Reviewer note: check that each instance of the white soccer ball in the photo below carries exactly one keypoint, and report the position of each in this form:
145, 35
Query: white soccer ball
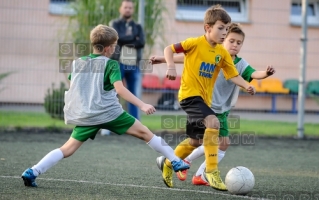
240, 180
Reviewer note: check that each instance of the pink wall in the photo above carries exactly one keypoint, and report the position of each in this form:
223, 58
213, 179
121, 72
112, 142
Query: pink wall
29, 40
270, 39
30, 36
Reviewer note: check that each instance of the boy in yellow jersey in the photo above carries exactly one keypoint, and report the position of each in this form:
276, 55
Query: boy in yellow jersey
204, 58
224, 97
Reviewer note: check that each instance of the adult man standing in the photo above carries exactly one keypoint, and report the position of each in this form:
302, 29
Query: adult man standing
129, 52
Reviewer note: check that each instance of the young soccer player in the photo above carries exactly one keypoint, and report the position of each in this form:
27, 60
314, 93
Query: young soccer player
225, 96
91, 103
204, 58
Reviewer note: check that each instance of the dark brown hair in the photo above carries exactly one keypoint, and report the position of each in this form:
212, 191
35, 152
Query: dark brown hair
235, 28
215, 13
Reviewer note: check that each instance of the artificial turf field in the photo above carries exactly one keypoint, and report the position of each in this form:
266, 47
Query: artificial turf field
122, 167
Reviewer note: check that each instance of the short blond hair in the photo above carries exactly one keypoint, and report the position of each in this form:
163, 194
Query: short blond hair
102, 36
215, 13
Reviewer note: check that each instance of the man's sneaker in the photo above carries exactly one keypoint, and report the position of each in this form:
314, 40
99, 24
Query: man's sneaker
214, 180
29, 178
182, 175
167, 172
197, 180
105, 132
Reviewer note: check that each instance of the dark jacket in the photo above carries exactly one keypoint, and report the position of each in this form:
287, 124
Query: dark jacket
136, 40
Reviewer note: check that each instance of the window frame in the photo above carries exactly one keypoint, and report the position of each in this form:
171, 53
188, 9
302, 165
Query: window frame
61, 7
296, 20
198, 16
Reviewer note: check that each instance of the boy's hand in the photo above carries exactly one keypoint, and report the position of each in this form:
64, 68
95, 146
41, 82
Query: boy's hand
148, 109
156, 60
270, 70
251, 90
171, 72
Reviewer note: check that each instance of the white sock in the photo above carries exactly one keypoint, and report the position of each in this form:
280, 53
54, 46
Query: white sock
159, 145
201, 169
221, 155
198, 152
47, 162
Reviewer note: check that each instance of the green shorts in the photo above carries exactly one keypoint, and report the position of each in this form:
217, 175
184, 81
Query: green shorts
119, 126
223, 130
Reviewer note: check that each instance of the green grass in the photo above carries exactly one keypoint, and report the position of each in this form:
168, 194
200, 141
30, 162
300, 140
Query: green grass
9, 119
29, 119
123, 167
267, 128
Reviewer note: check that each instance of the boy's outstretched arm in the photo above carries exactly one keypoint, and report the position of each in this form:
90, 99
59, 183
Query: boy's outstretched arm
161, 59
238, 80
171, 69
263, 74
128, 96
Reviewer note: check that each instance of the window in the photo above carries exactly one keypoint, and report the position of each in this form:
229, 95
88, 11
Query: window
312, 12
194, 10
61, 7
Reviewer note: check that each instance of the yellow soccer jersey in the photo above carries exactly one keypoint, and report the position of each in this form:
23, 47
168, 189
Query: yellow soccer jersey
202, 64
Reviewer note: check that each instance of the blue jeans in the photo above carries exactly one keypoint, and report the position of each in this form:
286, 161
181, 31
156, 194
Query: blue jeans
132, 76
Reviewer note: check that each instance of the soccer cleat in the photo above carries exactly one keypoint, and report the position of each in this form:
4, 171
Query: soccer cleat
29, 178
179, 165
167, 172
214, 180
197, 180
182, 175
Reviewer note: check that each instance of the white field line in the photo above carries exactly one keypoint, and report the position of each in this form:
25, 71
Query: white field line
140, 186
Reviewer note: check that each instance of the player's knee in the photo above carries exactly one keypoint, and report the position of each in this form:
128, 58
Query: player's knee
211, 121
224, 143
223, 147
142, 132
195, 143
145, 135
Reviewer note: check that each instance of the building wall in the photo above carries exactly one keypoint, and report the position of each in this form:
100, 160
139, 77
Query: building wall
30, 37
270, 39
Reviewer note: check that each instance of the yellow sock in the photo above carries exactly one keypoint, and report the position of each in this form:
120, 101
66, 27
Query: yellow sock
210, 143
182, 151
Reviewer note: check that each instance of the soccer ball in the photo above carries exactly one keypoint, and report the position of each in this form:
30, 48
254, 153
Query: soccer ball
240, 180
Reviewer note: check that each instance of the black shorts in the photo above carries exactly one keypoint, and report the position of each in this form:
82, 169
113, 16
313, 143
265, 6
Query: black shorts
196, 110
